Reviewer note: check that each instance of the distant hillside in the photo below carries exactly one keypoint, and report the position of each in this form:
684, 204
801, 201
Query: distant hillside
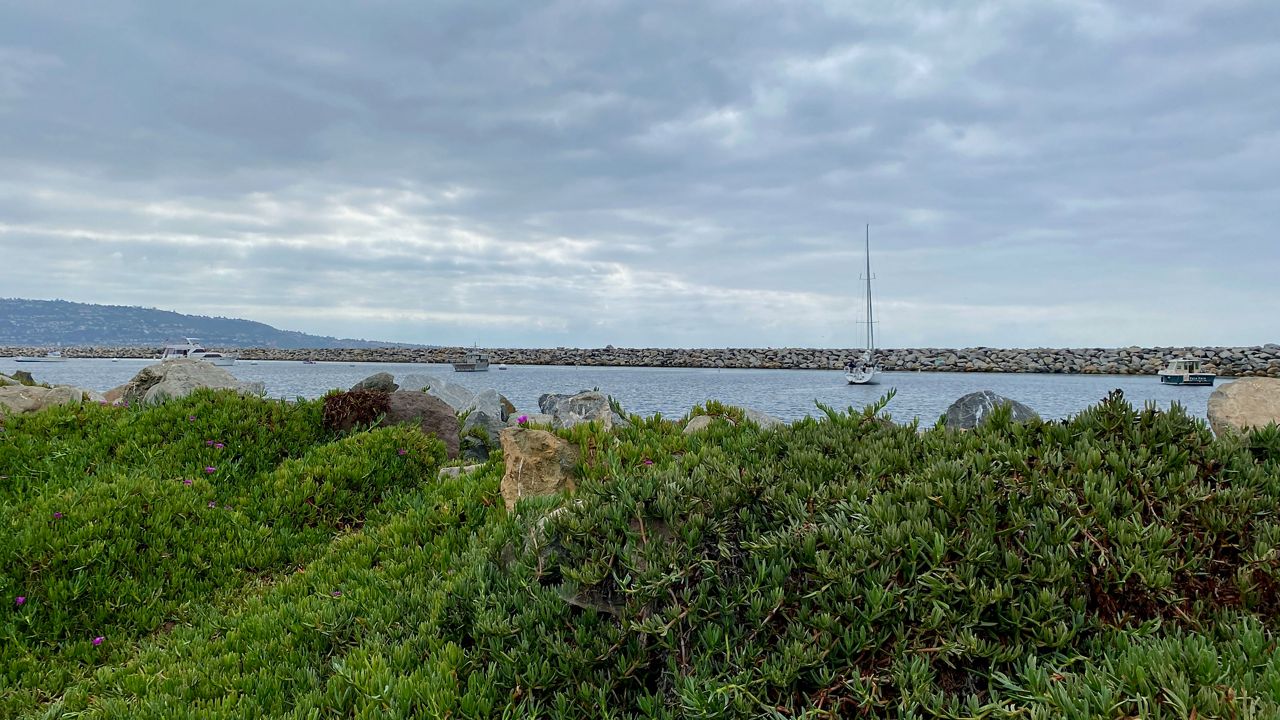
61, 323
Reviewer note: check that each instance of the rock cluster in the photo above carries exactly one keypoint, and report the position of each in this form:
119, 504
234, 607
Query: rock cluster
1252, 361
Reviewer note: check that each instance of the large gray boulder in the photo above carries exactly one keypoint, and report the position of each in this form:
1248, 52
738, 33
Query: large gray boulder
488, 402
179, 378
970, 410
456, 396
1245, 403
33, 398
383, 381
764, 420
569, 410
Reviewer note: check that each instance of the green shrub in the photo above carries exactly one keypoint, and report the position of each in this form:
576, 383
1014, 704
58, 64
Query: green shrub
850, 566
130, 549
1123, 563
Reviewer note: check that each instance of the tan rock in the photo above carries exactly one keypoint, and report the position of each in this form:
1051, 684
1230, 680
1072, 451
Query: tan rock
537, 463
23, 398
1249, 402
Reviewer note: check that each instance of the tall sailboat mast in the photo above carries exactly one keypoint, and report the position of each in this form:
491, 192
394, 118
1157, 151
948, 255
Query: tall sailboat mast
871, 325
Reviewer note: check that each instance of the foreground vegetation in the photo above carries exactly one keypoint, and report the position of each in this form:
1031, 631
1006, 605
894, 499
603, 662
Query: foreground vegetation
221, 556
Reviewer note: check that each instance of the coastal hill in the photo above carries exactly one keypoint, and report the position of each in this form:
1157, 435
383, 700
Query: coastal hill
61, 323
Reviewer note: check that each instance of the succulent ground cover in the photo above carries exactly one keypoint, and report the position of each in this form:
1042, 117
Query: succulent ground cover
1124, 563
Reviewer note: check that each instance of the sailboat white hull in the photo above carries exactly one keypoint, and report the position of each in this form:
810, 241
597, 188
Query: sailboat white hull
863, 377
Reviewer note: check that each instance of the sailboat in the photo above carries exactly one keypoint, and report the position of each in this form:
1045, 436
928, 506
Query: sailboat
864, 370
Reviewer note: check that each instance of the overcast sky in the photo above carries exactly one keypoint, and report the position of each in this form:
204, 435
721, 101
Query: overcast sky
1046, 173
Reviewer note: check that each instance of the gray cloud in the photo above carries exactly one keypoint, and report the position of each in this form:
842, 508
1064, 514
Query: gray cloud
659, 173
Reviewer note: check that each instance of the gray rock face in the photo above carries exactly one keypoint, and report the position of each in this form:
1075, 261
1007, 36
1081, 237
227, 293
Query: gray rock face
383, 381
23, 399
569, 410
764, 420
456, 471
529, 419
488, 402
697, 423
179, 378
456, 396
417, 381
1246, 403
431, 414
970, 410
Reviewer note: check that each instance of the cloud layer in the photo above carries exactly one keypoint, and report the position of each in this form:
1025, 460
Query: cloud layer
653, 173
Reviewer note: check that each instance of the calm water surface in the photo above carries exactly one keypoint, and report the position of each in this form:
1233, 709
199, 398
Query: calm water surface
788, 394
672, 391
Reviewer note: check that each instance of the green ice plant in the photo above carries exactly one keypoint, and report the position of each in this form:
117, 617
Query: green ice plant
1122, 563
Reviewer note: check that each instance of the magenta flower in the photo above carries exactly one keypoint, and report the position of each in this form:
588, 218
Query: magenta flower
647, 461
213, 504
187, 481
57, 516
98, 640
218, 446
523, 419
401, 451
208, 443
210, 470
191, 418
20, 600
337, 593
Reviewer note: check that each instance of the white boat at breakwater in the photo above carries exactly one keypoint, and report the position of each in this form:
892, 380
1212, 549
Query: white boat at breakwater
1186, 371
475, 360
194, 351
52, 356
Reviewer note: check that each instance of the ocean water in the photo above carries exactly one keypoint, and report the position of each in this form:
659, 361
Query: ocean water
788, 394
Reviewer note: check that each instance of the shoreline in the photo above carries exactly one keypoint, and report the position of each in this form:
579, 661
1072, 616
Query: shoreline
1238, 361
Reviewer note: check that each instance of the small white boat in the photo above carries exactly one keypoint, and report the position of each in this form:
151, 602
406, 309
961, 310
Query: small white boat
502, 366
1185, 371
475, 360
194, 351
52, 356
864, 371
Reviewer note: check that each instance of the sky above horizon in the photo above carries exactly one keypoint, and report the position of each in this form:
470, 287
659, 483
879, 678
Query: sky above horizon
661, 174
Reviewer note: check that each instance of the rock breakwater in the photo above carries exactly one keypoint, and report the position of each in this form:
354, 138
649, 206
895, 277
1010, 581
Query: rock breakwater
1251, 361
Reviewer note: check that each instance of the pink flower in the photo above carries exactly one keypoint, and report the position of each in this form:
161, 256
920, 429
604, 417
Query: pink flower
218, 446
337, 593
208, 443
191, 418
210, 470
187, 481
98, 640
401, 451
57, 516
522, 420
647, 461
20, 600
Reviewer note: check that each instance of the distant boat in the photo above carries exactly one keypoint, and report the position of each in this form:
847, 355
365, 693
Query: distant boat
1185, 371
308, 361
51, 356
194, 351
864, 371
502, 366
475, 360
